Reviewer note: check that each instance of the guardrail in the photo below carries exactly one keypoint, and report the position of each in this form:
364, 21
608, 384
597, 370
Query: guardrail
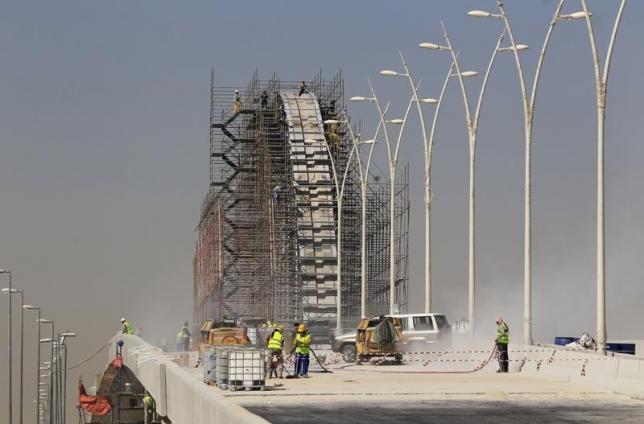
179, 395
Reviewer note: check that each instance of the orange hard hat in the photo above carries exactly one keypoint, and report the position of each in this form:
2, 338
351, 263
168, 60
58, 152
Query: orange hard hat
301, 328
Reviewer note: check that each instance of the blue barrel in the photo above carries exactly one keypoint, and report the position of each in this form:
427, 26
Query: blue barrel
562, 341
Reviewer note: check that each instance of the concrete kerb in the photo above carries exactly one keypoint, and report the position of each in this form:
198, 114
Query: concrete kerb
622, 374
178, 395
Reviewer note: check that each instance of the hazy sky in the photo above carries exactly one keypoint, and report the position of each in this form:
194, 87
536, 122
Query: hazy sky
104, 151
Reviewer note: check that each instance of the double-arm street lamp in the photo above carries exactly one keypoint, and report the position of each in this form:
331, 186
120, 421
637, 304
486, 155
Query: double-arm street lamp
472, 122
363, 169
428, 142
340, 183
392, 159
601, 80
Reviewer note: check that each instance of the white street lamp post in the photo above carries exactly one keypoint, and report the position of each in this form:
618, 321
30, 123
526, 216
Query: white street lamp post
601, 89
528, 119
472, 129
51, 367
339, 189
11, 291
35, 308
392, 156
428, 142
364, 178
10, 372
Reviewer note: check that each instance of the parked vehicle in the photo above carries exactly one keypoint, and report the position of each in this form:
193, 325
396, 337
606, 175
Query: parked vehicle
418, 330
346, 345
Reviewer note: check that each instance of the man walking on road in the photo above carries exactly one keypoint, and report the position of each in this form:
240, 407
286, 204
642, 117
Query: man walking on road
502, 340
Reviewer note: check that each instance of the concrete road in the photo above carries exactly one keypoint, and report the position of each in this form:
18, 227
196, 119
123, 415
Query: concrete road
454, 412
373, 395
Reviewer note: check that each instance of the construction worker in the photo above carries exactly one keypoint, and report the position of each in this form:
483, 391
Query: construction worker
149, 407
502, 340
302, 349
302, 88
127, 328
275, 346
183, 338
237, 105
264, 99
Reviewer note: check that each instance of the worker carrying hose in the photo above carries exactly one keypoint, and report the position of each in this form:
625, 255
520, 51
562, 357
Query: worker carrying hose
502, 340
302, 349
127, 328
275, 345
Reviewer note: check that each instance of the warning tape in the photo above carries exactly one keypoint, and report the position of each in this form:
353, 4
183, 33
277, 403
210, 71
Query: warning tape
483, 351
510, 360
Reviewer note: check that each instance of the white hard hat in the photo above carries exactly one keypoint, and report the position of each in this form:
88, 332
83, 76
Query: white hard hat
122, 319
236, 91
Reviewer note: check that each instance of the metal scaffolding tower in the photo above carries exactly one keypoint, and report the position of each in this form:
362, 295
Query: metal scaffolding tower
267, 235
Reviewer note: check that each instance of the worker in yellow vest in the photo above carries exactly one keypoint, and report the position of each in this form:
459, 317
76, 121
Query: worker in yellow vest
149, 408
502, 340
127, 328
302, 349
275, 355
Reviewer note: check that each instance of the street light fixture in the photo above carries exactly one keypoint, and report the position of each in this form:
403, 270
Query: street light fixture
472, 122
575, 15
482, 14
518, 47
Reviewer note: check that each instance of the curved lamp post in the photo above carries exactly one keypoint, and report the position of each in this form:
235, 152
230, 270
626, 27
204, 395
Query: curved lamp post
601, 89
363, 169
472, 130
339, 189
528, 102
428, 142
35, 308
392, 160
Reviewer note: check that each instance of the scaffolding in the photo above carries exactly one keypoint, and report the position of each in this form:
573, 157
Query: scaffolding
267, 235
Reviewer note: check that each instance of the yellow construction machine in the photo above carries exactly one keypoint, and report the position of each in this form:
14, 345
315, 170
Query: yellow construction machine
379, 337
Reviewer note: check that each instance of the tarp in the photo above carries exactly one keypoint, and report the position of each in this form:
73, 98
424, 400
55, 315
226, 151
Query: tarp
96, 405
385, 333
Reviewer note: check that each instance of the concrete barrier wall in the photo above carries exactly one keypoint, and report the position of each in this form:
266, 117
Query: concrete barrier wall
622, 374
180, 396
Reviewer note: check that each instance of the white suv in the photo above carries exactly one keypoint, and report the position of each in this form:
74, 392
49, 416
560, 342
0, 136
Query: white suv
422, 329
419, 330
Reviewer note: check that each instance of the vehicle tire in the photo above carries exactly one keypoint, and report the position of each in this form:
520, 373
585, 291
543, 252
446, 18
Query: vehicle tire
348, 353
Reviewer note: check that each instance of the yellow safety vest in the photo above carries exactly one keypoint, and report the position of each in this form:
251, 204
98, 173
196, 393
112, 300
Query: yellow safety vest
127, 328
276, 340
303, 342
503, 334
